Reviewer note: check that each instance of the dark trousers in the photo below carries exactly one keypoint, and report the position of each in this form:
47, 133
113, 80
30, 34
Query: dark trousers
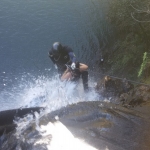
85, 80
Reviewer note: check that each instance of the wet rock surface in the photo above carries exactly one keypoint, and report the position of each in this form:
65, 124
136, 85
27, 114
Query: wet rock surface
6, 118
101, 125
107, 125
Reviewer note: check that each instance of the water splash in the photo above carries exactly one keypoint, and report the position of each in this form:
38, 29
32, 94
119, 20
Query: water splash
50, 93
31, 91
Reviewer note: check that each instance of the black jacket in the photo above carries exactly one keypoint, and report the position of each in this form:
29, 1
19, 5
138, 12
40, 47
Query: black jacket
66, 57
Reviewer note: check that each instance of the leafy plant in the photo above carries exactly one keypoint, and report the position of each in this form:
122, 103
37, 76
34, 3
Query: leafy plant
143, 64
131, 20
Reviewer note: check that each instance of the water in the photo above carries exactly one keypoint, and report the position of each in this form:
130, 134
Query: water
28, 29
27, 76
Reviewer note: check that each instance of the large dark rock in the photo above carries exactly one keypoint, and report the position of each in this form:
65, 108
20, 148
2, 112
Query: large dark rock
104, 126
6, 118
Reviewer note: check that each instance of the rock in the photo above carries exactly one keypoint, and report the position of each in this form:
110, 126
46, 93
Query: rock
139, 95
7, 116
109, 86
126, 93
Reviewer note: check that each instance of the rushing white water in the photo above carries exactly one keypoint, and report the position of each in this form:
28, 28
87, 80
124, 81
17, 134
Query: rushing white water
31, 91
52, 94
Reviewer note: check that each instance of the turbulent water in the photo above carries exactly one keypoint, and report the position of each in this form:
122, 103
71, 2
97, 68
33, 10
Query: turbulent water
28, 29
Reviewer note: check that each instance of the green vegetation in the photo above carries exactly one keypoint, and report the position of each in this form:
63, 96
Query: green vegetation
131, 22
143, 66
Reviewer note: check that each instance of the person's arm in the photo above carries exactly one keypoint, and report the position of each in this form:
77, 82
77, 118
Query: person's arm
70, 53
52, 59
72, 57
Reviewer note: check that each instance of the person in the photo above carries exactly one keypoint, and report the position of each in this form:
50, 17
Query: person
62, 57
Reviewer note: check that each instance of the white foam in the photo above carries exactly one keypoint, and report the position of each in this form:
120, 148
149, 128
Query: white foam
62, 138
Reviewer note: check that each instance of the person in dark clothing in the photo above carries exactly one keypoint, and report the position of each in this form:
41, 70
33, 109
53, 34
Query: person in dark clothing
62, 56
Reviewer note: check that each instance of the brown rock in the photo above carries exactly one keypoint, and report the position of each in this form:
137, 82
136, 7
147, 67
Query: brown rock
139, 95
109, 86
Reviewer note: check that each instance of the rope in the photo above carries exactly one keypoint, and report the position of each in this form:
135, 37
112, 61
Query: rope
119, 78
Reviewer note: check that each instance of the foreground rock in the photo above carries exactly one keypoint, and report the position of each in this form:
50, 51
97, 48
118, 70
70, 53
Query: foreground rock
101, 126
7, 118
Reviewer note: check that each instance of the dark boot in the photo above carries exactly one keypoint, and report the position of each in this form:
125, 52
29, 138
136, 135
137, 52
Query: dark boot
85, 80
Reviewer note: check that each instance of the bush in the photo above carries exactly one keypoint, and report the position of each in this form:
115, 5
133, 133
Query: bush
131, 20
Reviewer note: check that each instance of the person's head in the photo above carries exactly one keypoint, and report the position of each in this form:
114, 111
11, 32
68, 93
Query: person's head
56, 49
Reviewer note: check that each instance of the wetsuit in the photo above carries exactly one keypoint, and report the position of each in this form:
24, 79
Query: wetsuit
66, 56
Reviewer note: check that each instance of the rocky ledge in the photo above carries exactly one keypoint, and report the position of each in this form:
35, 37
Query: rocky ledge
123, 91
